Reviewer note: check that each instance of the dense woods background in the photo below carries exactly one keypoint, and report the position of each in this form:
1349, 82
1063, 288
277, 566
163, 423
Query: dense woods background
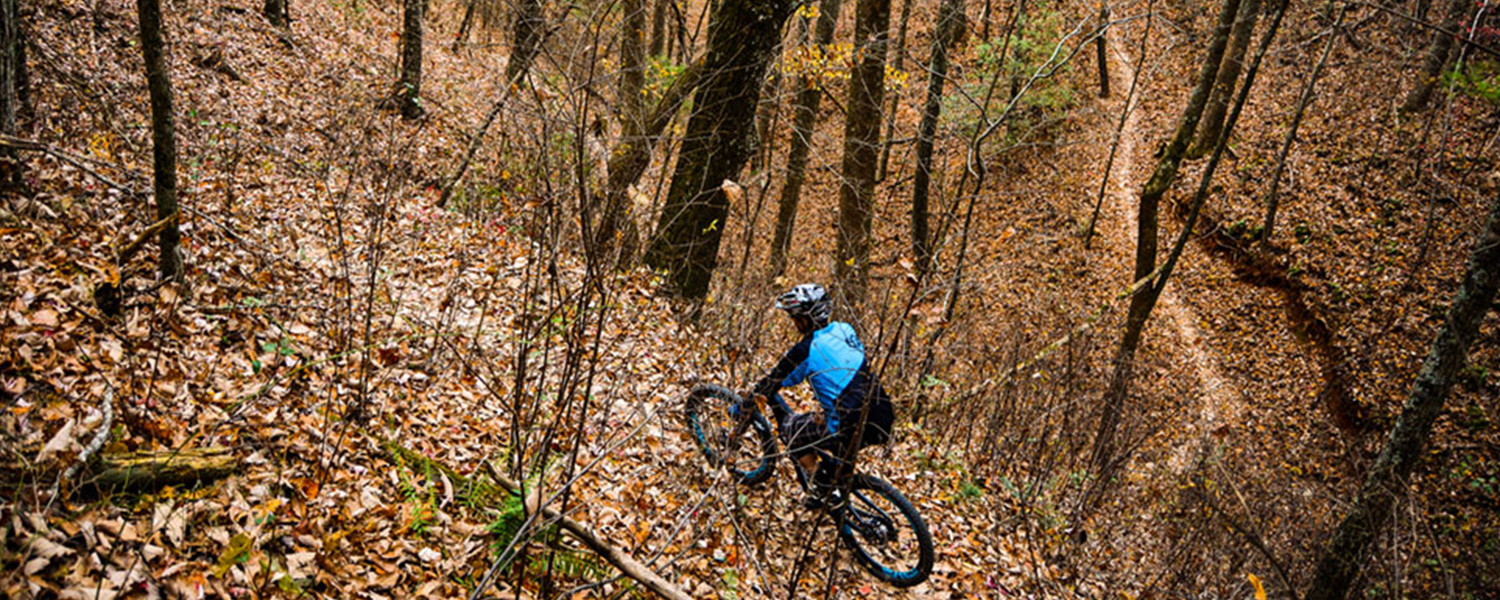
358, 298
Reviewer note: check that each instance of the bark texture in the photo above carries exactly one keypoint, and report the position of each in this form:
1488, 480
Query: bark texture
805, 119
526, 38
154, 470
629, 160
1387, 479
409, 86
632, 61
12, 84
277, 13
719, 139
899, 58
1229, 73
658, 27
1100, 55
163, 135
1437, 58
861, 148
949, 25
632, 130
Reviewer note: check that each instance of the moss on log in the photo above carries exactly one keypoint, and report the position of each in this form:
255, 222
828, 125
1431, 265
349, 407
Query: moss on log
151, 470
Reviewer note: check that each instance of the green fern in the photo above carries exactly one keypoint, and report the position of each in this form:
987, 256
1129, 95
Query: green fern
507, 524
574, 564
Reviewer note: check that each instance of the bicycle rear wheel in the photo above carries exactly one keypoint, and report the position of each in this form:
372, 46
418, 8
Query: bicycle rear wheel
744, 445
887, 535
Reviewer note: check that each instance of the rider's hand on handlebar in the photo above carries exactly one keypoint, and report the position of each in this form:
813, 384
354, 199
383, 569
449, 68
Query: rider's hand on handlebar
747, 400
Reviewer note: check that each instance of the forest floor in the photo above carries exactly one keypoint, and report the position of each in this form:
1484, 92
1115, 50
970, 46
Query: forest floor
333, 307
1218, 399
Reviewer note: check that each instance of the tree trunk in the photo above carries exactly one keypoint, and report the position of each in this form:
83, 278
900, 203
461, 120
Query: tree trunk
659, 30
463, 26
163, 135
741, 39
890, 116
527, 38
409, 87
629, 160
141, 471
765, 121
805, 109
277, 13
950, 19
632, 61
1388, 477
1146, 232
632, 134
1100, 55
1437, 58
1229, 73
861, 148
679, 21
12, 85
1272, 199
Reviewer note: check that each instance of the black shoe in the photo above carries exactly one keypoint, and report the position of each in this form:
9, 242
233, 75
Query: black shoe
823, 500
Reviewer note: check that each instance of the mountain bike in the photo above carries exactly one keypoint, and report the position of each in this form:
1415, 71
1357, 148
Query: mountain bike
882, 528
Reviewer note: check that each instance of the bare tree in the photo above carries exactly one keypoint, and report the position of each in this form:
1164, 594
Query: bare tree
277, 12
861, 148
163, 135
899, 52
527, 32
1272, 198
1387, 478
408, 91
463, 27
632, 60
1437, 58
1212, 124
13, 82
949, 29
805, 111
741, 39
1100, 55
659, 31
633, 154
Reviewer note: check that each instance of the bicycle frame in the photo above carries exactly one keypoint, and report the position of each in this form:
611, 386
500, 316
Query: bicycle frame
873, 518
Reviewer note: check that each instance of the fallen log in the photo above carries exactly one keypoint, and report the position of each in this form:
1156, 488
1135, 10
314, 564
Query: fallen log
621, 560
153, 470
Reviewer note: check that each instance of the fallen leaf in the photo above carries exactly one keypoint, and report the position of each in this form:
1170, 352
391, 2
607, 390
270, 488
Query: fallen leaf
60, 442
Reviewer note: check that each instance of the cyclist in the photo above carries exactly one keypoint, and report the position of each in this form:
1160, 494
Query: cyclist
830, 357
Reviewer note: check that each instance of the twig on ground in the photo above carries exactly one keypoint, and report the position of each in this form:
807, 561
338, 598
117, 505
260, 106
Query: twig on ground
76, 161
134, 246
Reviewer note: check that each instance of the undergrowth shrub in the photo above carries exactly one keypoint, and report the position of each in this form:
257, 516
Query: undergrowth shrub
1029, 52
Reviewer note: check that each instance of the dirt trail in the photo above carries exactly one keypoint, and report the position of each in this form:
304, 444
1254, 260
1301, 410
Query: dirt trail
1220, 400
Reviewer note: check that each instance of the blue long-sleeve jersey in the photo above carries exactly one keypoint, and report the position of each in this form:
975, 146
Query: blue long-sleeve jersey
832, 361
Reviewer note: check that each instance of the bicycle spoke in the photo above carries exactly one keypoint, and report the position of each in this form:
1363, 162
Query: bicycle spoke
728, 440
885, 538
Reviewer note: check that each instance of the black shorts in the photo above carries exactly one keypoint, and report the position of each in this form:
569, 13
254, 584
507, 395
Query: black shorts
805, 432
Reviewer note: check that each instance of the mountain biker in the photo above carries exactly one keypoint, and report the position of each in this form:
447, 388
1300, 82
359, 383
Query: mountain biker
830, 357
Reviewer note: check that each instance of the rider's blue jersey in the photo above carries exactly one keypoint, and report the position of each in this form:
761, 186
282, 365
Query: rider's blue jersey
832, 361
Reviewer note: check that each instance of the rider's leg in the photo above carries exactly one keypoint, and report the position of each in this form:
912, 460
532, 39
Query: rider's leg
779, 408
833, 471
809, 462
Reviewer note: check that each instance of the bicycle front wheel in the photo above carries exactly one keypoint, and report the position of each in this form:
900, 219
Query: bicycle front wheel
742, 444
887, 535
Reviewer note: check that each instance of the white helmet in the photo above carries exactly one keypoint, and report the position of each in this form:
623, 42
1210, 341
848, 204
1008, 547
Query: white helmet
807, 300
